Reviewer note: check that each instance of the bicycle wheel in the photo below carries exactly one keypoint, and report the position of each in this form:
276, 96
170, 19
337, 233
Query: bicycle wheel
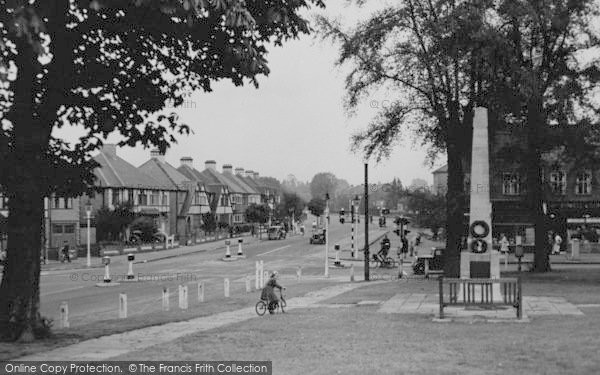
261, 308
391, 262
373, 263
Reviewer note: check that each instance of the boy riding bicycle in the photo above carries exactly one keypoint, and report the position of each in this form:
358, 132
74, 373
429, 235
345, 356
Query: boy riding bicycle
268, 292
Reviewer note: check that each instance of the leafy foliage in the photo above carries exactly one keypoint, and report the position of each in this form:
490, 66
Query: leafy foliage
110, 224
291, 204
316, 206
209, 222
257, 213
146, 226
429, 210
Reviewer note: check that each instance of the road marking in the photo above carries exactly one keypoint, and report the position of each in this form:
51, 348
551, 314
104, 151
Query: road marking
272, 251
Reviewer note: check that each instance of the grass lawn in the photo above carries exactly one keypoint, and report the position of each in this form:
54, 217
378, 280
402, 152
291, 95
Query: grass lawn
214, 304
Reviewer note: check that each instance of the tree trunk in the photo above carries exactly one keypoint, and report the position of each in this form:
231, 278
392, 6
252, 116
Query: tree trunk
535, 120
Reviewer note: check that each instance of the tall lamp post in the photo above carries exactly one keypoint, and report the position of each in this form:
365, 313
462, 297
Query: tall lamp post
88, 214
366, 251
326, 213
355, 215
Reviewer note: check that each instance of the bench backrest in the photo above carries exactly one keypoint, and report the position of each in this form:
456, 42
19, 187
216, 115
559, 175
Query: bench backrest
480, 291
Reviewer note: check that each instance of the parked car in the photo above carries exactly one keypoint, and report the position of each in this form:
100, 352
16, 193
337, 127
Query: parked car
318, 237
276, 233
435, 264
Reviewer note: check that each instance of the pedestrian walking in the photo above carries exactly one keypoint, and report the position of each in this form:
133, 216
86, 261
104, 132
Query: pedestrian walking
556, 245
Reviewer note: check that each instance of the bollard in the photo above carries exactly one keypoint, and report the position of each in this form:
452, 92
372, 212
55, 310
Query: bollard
352, 273
130, 258
122, 306
262, 269
64, 315
240, 253
248, 286
106, 262
337, 255
226, 286
228, 251
183, 297
257, 275
201, 291
165, 299
299, 273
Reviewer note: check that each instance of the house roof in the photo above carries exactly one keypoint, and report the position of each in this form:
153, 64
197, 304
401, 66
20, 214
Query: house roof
116, 172
248, 187
216, 178
254, 184
442, 169
165, 173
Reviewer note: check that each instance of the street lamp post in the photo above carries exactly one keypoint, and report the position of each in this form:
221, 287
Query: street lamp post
366, 250
355, 215
88, 214
326, 213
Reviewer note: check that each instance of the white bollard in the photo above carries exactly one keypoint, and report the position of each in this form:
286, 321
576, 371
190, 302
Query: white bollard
337, 255
226, 287
130, 259
64, 315
248, 285
228, 251
201, 291
122, 306
257, 276
106, 262
262, 270
352, 273
240, 253
299, 273
183, 297
165, 299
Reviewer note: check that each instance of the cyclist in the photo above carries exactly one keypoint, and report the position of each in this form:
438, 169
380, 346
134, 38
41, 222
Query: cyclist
268, 292
385, 247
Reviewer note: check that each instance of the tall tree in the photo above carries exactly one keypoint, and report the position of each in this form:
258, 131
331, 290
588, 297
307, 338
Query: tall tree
291, 204
107, 66
323, 183
549, 62
430, 55
316, 206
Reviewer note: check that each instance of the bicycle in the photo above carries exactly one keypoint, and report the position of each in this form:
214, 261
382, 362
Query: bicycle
261, 306
378, 262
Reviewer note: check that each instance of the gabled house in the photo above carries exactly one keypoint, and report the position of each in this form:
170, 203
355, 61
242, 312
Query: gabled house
242, 194
188, 200
218, 192
266, 193
121, 182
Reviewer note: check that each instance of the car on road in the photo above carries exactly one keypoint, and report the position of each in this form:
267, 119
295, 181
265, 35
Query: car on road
435, 264
318, 237
276, 233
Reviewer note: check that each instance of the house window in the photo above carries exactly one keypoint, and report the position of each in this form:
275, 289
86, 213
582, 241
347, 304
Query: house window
3, 202
155, 198
583, 183
165, 199
238, 218
511, 184
224, 201
69, 228
142, 199
558, 182
130, 195
115, 197
57, 229
201, 199
62, 203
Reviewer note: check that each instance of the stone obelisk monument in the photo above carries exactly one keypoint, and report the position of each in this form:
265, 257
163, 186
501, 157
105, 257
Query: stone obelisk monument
480, 260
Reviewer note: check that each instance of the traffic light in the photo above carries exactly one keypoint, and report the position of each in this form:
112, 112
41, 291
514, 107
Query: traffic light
397, 231
342, 220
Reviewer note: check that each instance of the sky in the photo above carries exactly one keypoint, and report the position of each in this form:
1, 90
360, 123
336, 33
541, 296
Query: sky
294, 123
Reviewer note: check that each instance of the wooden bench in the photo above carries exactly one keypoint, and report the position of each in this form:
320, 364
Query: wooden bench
480, 292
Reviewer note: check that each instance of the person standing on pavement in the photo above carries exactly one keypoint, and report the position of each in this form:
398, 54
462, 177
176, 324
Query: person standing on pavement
556, 245
503, 244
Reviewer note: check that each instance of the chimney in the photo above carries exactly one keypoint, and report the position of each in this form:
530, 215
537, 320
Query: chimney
249, 173
239, 171
156, 154
186, 160
210, 164
227, 168
109, 149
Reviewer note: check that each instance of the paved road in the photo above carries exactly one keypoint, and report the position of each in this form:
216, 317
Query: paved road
87, 302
